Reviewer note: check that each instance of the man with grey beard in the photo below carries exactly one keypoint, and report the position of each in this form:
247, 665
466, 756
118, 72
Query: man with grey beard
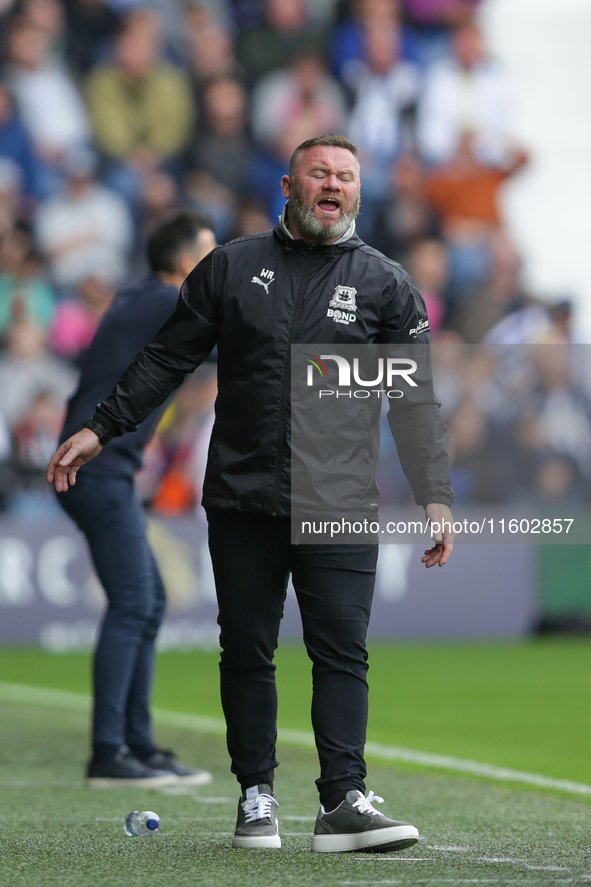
255, 298
321, 209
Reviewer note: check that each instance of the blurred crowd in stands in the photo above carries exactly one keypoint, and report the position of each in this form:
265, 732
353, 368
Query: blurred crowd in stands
114, 112
519, 421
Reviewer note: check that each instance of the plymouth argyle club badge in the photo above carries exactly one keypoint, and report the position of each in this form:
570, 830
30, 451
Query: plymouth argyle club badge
342, 306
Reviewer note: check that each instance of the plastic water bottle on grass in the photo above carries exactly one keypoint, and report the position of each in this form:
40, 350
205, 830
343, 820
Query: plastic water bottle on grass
141, 823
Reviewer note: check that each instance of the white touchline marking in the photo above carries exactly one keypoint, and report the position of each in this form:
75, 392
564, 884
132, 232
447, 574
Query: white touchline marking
501, 859
42, 696
202, 800
40, 783
464, 765
506, 860
191, 792
21, 693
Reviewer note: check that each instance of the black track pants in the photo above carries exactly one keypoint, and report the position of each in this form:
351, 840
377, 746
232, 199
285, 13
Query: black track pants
252, 558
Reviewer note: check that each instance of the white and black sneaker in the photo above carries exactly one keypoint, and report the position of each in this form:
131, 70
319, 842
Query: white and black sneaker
356, 825
164, 759
125, 770
256, 825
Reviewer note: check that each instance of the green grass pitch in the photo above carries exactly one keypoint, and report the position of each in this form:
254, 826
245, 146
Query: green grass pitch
523, 706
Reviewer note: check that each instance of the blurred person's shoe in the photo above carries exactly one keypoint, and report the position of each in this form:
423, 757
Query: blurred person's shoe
356, 825
165, 759
125, 769
256, 824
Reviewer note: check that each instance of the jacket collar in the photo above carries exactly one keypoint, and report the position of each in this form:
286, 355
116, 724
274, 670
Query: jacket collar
349, 240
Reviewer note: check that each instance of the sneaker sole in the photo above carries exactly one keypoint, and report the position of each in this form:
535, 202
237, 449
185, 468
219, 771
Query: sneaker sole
397, 837
121, 782
260, 842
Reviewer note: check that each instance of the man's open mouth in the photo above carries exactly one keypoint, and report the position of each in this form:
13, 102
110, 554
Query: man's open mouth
329, 204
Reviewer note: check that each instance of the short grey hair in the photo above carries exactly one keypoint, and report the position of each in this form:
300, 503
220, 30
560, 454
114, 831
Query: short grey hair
325, 141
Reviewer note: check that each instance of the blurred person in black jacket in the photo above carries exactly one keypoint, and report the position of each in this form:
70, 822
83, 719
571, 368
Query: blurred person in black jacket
107, 510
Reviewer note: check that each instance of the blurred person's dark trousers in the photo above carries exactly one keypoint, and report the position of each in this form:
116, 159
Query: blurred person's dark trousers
109, 513
252, 558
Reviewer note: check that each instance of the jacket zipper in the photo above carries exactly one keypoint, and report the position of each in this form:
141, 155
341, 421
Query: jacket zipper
295, 322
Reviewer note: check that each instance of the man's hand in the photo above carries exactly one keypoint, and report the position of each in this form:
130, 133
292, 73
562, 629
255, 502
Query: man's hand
443, 535
73, 453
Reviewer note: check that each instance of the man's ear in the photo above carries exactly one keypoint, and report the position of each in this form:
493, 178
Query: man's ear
186, 263
286, 187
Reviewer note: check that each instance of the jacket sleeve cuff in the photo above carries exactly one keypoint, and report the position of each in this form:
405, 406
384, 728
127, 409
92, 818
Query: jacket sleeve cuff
431, 500
105, 434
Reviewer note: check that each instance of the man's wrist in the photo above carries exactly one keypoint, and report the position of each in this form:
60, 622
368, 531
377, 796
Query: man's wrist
103, 434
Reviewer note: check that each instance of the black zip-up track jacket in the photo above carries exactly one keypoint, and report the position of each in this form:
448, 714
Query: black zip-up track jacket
254, 298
